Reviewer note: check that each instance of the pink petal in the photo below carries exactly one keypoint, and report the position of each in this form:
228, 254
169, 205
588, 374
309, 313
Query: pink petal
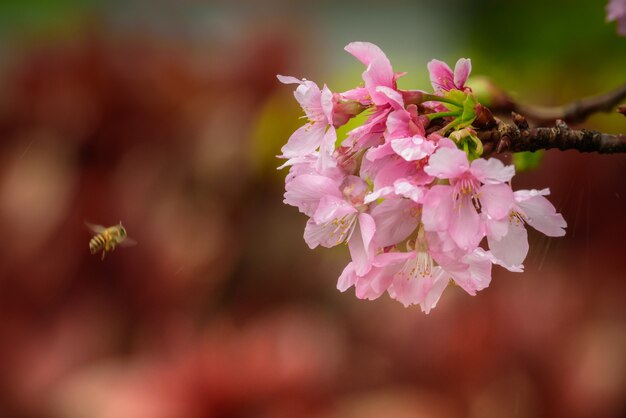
304, 140
373, 284
287, 79
406, 290
439, 283
331, 208
398, 124
512, 248
370, 132
379, 73
347, 279
309, 95
360, 242
365, 52
327, 148
615, 9
395, 220
409, 190
326, 103
438, 208
315, 234
331, 224
496, 200
442, 142
413, 148
462, 70
377, 194
391, 169
492, 171
522, 195
305, 192
517, 268
495, 229
325, 234
447, 163
465, 225
394, 97
359, 94
376, 153
541, 215
480, 263
441, 76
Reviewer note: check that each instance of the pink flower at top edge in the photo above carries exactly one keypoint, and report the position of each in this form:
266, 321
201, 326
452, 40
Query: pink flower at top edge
378, 73
616, 11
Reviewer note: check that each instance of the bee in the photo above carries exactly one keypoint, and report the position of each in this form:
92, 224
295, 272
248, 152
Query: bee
106, 239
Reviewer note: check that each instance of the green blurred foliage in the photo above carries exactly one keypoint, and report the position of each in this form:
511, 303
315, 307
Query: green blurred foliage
277, 119
527, 160
546, 51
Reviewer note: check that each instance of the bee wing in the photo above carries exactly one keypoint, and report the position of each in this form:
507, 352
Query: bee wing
127, 242
98, 229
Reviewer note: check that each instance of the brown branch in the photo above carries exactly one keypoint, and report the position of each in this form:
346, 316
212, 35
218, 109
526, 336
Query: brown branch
574, 112
519, 137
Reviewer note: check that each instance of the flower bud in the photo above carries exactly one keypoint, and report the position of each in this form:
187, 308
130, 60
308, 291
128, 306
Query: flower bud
484, 117
343, 111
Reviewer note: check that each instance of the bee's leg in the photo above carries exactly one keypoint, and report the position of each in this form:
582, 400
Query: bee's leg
103, 253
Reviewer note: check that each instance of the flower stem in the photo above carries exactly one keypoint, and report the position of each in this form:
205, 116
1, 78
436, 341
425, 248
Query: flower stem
449, 126
434, 98
432, 116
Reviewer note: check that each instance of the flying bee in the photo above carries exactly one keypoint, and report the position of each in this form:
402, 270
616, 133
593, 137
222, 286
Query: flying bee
106, 239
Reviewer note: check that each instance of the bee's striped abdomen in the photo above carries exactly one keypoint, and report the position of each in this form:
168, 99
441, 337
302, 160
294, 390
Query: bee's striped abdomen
96, 244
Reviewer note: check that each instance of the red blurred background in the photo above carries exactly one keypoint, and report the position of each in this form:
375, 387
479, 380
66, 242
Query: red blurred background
167, 116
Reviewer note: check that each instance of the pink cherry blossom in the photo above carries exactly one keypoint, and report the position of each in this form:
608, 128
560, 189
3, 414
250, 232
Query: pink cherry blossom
376, 281
410, 286
378, 72
443, 79
476, 185
340, 219
508, 239
318, 132
409, 203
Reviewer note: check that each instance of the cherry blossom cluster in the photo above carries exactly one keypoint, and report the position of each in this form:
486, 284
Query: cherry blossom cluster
406, 189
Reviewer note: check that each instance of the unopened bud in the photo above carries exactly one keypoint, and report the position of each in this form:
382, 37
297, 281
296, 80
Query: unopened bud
519, 120
412, 96
484, 117
343, 111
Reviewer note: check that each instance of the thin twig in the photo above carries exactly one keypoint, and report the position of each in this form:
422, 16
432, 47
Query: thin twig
574, 112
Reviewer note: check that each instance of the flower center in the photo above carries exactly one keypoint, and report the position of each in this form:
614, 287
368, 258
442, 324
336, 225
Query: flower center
466, 192
421, 266
342, 227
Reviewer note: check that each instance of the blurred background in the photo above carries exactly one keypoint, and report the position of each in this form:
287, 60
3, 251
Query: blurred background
167, 116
